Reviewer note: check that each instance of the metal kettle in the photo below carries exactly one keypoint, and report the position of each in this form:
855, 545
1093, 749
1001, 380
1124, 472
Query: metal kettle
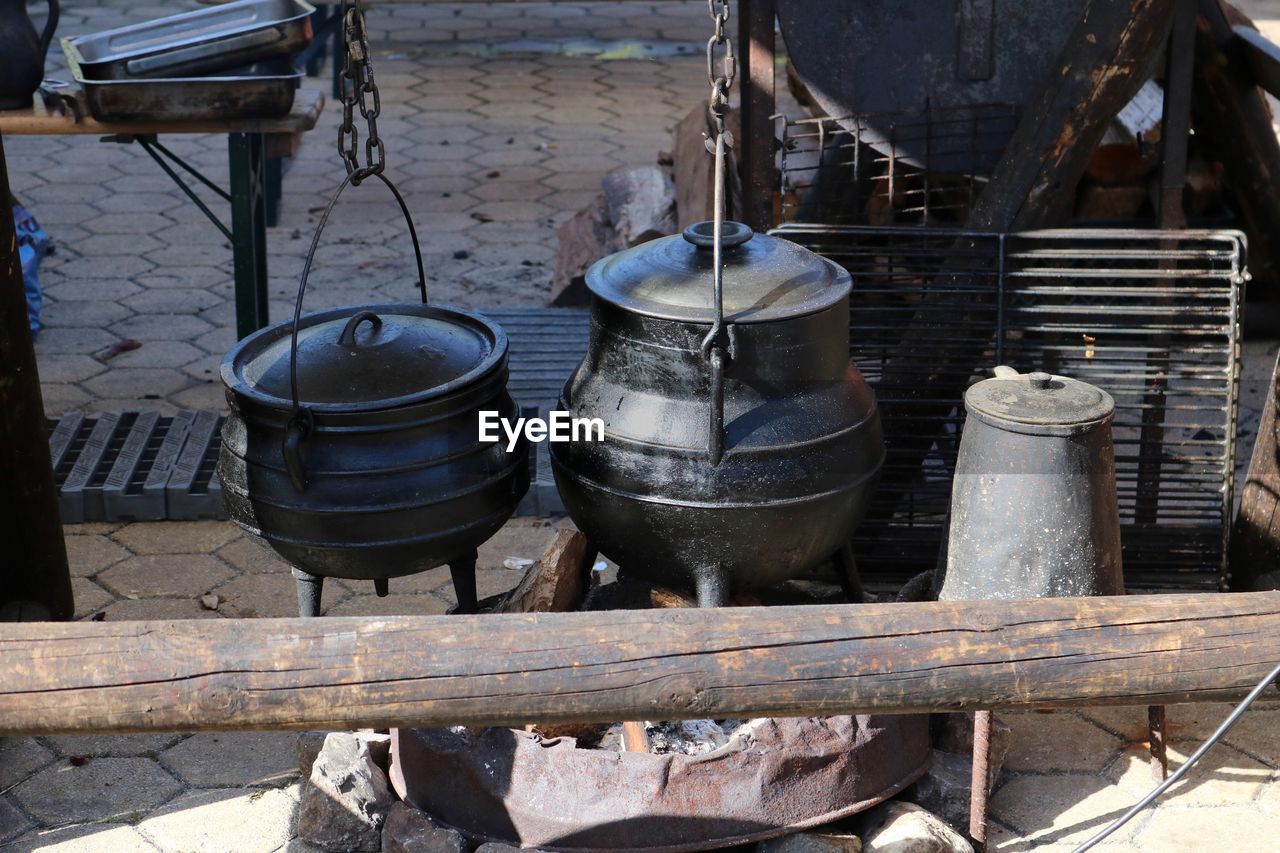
22, 52
1034, 512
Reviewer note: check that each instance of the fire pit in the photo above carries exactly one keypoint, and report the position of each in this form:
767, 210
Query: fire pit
772, 777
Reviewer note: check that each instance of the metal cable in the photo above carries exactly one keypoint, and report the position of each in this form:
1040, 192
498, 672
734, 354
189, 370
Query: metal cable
1182, 771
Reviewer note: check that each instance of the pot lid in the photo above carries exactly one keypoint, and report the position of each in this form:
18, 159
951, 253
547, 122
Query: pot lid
390, 355
1038, 401
765, 278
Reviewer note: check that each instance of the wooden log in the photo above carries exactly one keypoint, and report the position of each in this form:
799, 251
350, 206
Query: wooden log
694, 168
624, 665
1255, 536
557, 582
34, 580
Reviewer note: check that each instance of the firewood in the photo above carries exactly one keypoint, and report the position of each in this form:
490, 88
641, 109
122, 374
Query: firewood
693, 168
557, 582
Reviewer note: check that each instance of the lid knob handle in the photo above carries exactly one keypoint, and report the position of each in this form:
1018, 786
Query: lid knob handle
702, 234
348, 336
1039, 379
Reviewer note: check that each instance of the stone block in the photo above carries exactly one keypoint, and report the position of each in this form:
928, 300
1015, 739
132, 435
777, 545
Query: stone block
897, 827
409, 830
346, 799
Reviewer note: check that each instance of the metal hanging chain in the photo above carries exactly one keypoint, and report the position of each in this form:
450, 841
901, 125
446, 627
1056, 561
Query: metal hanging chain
359, 91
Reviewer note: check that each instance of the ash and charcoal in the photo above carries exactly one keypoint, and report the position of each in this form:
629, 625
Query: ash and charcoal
681, 737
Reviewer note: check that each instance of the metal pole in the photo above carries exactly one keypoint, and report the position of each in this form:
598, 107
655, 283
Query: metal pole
35, 583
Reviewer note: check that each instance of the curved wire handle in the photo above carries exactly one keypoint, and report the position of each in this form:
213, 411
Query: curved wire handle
302, 420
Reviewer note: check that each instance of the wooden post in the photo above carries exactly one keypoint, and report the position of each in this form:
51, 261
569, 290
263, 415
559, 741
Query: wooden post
34, 580
756, 143
511, 669
1255, 537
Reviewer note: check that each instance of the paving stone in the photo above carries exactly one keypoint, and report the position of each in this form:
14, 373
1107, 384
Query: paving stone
1064, 809
136, 382
202, 395
89, 554
68, 368
270, 594
101, 789
161, 327
234, 759
392, 605
248, 556
169, 300
12, 822
176, 537
89, 597
224, 819
142, 609
138, 202
100, 244
19, 758
91, 313
1057, 742
159, 353
1231, 827
78, 340
126, 746
1223, 775
86, 838
166, 575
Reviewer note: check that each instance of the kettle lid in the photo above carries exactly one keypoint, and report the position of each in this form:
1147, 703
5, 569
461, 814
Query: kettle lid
765, 278
1038, 402
366, 357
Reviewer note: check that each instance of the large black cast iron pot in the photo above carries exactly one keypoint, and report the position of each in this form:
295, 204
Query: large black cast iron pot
353, 450
736, 454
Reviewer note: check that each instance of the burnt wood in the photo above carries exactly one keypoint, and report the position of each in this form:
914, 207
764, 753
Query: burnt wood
34, 580
1107, 58
1232, 117
506, 670
1255, 537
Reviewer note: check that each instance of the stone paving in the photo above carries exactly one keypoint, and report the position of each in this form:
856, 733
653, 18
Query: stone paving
500, 121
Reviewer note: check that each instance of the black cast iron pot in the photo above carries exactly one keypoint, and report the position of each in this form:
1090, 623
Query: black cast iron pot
353, 450
735, 455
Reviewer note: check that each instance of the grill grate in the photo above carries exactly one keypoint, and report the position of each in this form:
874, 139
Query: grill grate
1149, 316
869, 169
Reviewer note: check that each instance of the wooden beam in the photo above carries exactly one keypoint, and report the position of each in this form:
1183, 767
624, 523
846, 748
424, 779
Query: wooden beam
756, 49
617, 665
34, 580
1232, 117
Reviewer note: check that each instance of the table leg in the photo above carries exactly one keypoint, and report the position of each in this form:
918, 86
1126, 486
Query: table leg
274, 189
249, 229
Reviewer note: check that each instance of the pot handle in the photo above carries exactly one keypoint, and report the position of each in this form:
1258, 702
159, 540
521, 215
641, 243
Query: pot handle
50, 25
716, 343
302, 421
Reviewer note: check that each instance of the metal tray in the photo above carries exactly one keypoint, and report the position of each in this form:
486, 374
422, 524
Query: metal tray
262, 90
201, 42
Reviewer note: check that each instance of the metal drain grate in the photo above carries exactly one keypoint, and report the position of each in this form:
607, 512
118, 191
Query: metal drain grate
141, 466
136, 466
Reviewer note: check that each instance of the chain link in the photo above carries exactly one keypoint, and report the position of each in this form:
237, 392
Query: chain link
722, 46
359, 92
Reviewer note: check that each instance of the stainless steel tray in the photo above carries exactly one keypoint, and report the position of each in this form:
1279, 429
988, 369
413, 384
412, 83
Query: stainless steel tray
262, 90
201, 42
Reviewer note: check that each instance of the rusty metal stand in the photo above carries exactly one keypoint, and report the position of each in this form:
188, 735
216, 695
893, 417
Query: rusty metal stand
35, 582
978, 780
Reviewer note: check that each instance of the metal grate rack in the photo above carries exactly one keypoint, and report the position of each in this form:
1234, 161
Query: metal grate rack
889, 169
1150, 316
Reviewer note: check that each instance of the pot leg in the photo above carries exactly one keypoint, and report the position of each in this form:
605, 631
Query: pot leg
380, 587
463, 572
309, 589
713, 587
847, 569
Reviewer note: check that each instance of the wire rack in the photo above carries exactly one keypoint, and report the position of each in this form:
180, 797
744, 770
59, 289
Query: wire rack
1149, 316
889, 168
